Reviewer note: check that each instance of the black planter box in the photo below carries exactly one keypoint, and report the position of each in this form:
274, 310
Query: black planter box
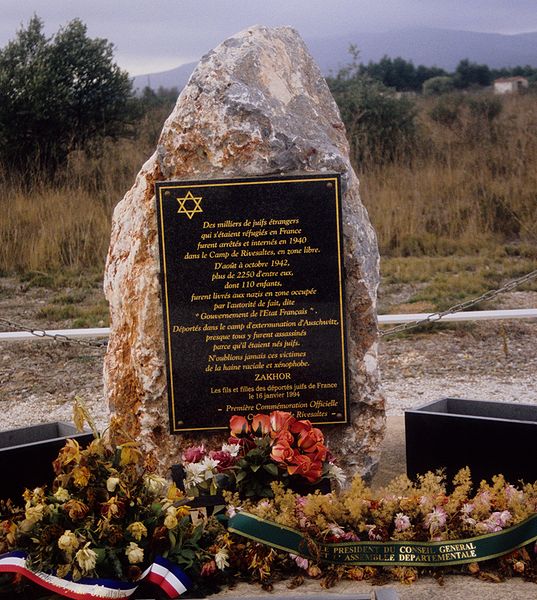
491, 438
26, 455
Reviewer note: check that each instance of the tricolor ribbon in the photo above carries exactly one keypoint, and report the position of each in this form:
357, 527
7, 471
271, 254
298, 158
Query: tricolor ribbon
169, 577
392, 553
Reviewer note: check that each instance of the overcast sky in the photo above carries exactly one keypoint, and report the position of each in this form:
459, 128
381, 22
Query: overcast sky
156, 35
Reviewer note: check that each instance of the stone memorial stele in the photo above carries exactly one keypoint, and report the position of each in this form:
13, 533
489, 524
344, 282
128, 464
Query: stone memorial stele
256, 106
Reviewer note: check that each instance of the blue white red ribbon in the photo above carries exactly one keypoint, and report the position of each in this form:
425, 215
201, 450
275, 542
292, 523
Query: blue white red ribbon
169, 577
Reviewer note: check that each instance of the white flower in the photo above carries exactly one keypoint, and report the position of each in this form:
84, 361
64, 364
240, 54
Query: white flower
86, 558
467, 508
209, 465
336, 473
233, 449
111, 484
231, 511
220, 558
156, 485
68, 542
194, 474
134, 553
61, 494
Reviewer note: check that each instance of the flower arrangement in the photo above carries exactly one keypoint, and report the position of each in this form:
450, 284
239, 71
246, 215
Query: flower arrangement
274, 447
107, 515
405, 511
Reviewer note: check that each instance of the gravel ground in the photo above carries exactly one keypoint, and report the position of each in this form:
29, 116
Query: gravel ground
487, 360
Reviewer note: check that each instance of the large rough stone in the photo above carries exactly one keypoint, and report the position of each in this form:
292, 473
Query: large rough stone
256, 105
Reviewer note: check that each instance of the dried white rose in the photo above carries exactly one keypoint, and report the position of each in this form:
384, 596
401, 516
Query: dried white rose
111, 484
134, 553
86, 559
68, 542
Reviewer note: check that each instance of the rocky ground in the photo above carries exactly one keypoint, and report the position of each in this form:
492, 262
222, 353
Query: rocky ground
488, 360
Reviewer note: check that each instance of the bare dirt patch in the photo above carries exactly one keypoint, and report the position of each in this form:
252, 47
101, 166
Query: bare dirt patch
488, 360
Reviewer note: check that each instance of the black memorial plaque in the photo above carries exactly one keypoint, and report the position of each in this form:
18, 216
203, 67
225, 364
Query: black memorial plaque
252, 288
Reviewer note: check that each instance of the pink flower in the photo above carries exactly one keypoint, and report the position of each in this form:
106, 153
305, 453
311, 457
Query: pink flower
303, 563
194, 454
374, 534
436, 519
336, 530
402, 522
496, 522
503, 517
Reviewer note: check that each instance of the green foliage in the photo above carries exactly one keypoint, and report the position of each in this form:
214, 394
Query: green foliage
399, 73
469, 74
58, 93
163, 97
436, 86
380, 125
523, 71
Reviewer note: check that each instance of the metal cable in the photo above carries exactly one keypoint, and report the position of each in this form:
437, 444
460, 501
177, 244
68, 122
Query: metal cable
57, 337
461, 306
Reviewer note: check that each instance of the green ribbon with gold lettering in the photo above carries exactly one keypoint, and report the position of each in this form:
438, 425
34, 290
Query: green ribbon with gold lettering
419, 554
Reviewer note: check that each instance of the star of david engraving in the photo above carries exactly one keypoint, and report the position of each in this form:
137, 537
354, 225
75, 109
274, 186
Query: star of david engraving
189, 204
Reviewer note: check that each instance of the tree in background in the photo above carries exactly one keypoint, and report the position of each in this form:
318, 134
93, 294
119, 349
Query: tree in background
469, 74
380, 125
57, 94
399, 73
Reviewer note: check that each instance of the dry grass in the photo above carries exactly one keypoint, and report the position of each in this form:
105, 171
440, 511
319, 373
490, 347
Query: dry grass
471, 185
65, 223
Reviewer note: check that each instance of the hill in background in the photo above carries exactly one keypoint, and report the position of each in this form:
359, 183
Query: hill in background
423, 46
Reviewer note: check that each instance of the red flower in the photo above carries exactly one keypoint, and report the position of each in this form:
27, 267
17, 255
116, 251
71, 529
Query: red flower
245, 444
208, 568
320, 452
225, 460
239, 426
299, 426
280, 421
285, 437
310, 440
303, 465
281, 452
261, 425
